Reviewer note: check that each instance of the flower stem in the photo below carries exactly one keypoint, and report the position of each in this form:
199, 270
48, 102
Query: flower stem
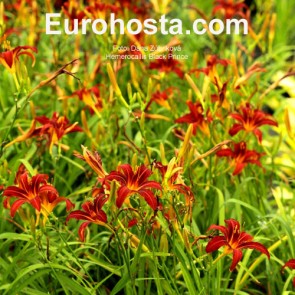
16, 82
218, 258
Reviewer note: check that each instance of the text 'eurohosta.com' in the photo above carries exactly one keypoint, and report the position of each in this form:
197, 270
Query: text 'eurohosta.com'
150, 26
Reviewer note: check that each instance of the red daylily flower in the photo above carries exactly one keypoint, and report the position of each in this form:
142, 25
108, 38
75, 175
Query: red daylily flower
211, 69
172, 180
10, 58
132, 222
167, 65
72, 10
134, 182
93, 160
230, 9
91, 97
21, 170
234, 241
92, 212
241, 156
53, 129
56, 127
196, 117
212, 62
35, 191
220, 98
291, 264
27, 191
250, 120
161, 98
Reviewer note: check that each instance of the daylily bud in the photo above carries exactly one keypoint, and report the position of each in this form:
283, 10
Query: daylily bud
149, 90
186, 239
1, 18
113, 80
85, 124
185, 146
134, 161
129, 92
133, 75
164, 246
195, 88
272, 29
162, 152
289, 118
135, 241
141, 123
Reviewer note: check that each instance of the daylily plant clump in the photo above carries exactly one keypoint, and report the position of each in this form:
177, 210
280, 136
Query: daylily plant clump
142, 175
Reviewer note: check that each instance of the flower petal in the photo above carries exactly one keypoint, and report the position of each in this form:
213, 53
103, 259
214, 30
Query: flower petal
149, 197
151, 184
122, 193
15, 206
7, 56
290, 263
215, 243
239, 168
225, 153
237, 257
101, 217
82, 230
258, 134
80, 215
235, 129
256, 246
221, 228
36, 203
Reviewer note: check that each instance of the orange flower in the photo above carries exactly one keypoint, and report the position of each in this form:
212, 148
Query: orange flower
73, 11
221, 96
210, 69
35, 191
250, 120
134, 183
10, 58
241, 156
92, 212
91, 97
196, 117
93, 160
233, 240
53, 129
291, 264
56, 127
172, 180
161, 98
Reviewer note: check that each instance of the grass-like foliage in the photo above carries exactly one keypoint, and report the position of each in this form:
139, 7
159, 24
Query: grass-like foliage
140, 175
